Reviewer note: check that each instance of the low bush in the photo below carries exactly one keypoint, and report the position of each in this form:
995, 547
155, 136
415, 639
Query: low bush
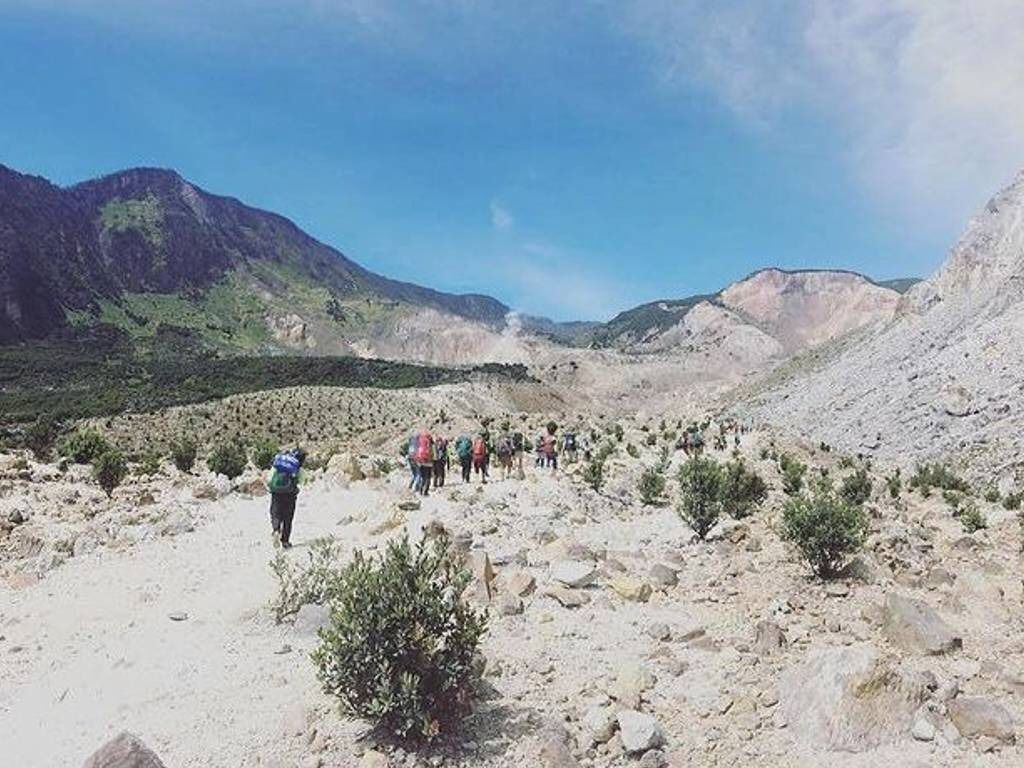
825, 528
742, 489
227, 459
938, 476
149, 464
651, 486
651, 439
632, 451
83, 446
109, 469
793, 472
183, 454
593, 473
400, 649
971, 518
313, 583
894, 484
856, 487
40, 437
700, 487
262, 454
993, 496
1011, 501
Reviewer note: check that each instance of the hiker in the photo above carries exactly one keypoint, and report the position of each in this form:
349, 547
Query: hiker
538, 447
549, 448
424, 458
585, 447
503, 449
283, 485
464, 450
481, 456
409, 451
569, 447
440, 461
518, 450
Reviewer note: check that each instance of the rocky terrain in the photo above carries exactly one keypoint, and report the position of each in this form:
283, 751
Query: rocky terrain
942, 379
616, 638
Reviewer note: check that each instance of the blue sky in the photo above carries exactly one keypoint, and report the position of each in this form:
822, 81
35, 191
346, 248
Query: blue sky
572, 159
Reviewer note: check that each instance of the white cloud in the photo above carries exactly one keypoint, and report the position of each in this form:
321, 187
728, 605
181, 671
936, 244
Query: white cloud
501, 218
927, 96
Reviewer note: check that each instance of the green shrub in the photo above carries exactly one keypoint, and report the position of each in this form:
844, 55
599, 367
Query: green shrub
952, 498
383, 466
593, 473
651, 439
651, 486
40, 437
618, 432
400, 649
894, 484
83, 446
1011, 501
742, 489
183, 454
793, 472
632, 451
227, 459
700, 487
263, 453
312, 584
993, 496
825, 528
971, 518
856, 488
149, 464
109, 469
938, 476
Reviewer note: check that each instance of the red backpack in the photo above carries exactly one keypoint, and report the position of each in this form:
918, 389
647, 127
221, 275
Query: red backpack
424, 448
479, 448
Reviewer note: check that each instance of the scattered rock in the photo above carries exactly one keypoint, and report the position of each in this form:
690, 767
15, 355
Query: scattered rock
178, 616
913, 626
374, 759
600, 723
662, 576
629, 588
124, 751
639, 731
568, 598
976, 716
573, 573
848, 699
768, 638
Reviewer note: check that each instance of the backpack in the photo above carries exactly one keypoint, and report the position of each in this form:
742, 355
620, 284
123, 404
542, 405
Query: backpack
479, 448
464, 447
424, 448
517, 441
411, 449
440, 449
285, 475
549, 445
504, 447
570, 442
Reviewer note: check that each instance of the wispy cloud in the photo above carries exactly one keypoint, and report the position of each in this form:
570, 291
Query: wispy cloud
501, 218
927, 96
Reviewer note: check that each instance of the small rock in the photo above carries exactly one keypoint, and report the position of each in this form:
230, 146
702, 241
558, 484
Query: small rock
509, 604
655, 758
659, 630
837, 589
568, 598
600, 723
662, 576
374, 759
923, 730
632, 589
768, 638
573, 573
639, 731
914, 626
178, 616
978, 716
124, 751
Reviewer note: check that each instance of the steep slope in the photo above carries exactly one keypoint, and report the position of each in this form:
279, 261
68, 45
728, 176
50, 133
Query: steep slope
943, 379
145, 247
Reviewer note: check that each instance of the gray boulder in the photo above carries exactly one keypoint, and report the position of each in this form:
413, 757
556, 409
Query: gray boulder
639, 731
977, 716
915, 627
124, 751
849, 699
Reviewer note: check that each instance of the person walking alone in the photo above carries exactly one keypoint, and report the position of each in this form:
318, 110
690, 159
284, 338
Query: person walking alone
283, 485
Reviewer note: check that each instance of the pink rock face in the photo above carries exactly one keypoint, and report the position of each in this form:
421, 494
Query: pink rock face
804, 309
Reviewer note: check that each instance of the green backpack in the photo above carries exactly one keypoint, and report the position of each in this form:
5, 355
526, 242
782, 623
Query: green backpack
283, 482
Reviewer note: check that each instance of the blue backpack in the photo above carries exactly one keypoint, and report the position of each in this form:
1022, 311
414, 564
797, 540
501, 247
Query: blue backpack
287, 463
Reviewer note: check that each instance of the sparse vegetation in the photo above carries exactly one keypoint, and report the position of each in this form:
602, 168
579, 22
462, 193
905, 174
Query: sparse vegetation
742, 489
971, 518
593, 473
313, 583
651, 487
928, 476
825, 528
793, 472
227, 459
856, 487
109, 470
40, 437
1011, 501
183, 454
263, 452
894, 484
401, 647
83, 446
149, 464
700, 487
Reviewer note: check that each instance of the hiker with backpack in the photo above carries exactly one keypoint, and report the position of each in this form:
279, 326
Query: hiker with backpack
464, 453
538, 447
424, 458
503, 449
285, 474
440, 461
518, 450
549, 449
569, 447
409, 452
481, 456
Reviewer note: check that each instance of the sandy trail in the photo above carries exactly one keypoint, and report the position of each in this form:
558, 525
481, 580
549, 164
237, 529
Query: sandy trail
99, 654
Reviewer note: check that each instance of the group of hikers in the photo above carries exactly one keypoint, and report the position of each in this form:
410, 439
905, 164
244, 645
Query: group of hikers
430, 455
